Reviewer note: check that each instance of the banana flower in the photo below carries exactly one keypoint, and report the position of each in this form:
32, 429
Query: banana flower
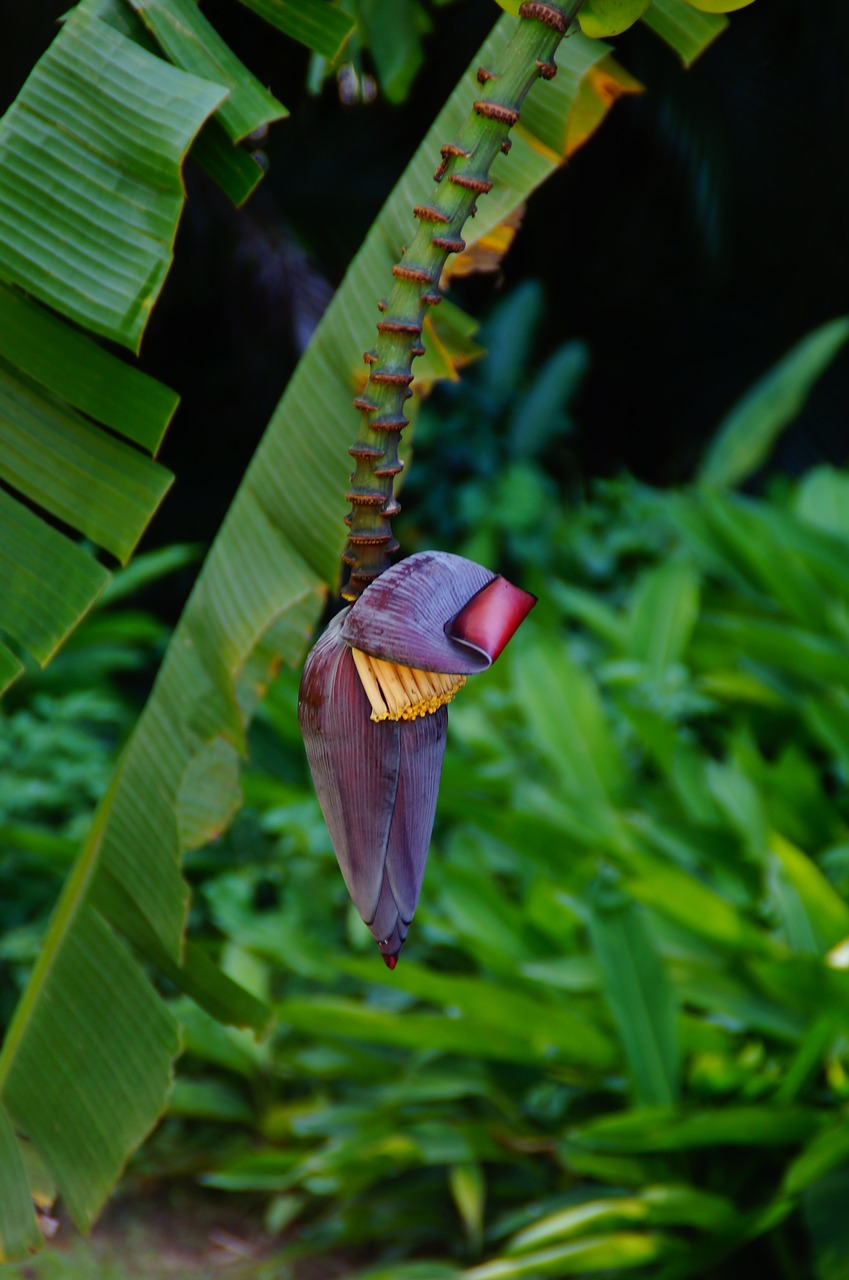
373, 713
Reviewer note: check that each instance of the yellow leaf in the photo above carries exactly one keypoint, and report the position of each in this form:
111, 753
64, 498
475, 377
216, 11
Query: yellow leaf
486, 254
602, 86
447, 351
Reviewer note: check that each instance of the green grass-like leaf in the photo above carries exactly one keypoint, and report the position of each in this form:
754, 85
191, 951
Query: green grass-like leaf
640, 995
315, 23
683, 28
744, 439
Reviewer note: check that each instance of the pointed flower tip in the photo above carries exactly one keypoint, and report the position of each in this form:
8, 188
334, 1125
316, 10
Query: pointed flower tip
492, 617
390, 961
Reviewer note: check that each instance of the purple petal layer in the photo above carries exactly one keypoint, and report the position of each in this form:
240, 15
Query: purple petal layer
377, 784
492, 617
422, 752
402, 616
354, 762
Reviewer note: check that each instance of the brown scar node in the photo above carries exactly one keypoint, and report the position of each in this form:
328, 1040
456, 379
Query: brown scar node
392, 379
365, 451
479, 185
368, 540
544, 13
390, 422
365, 497
415, 274
399, 326
496, 111
427, 213
449, 244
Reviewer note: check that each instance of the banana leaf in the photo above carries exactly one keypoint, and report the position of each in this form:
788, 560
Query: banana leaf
91, 193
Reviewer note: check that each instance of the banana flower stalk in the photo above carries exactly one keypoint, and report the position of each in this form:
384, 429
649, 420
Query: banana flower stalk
373, 695
374, 717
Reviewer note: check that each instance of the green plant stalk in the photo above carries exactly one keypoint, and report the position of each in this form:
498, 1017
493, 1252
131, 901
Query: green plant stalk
462, 175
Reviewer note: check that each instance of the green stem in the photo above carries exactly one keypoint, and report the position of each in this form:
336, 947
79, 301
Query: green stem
464, 175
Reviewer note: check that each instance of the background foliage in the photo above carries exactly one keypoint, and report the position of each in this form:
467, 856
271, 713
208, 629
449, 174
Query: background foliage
620, 1040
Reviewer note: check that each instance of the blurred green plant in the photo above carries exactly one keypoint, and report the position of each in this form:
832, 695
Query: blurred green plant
622, 1038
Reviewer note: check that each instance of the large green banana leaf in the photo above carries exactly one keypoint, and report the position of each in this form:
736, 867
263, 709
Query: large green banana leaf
86, 1065
64, 237
91, 192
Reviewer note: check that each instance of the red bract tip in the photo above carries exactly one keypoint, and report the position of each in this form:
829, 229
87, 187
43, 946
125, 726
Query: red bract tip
390, 961
492, 616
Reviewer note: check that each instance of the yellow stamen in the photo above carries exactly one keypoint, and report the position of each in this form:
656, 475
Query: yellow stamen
390, 685
403, 693
411, 686
443, 682
363, 664
424, 683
